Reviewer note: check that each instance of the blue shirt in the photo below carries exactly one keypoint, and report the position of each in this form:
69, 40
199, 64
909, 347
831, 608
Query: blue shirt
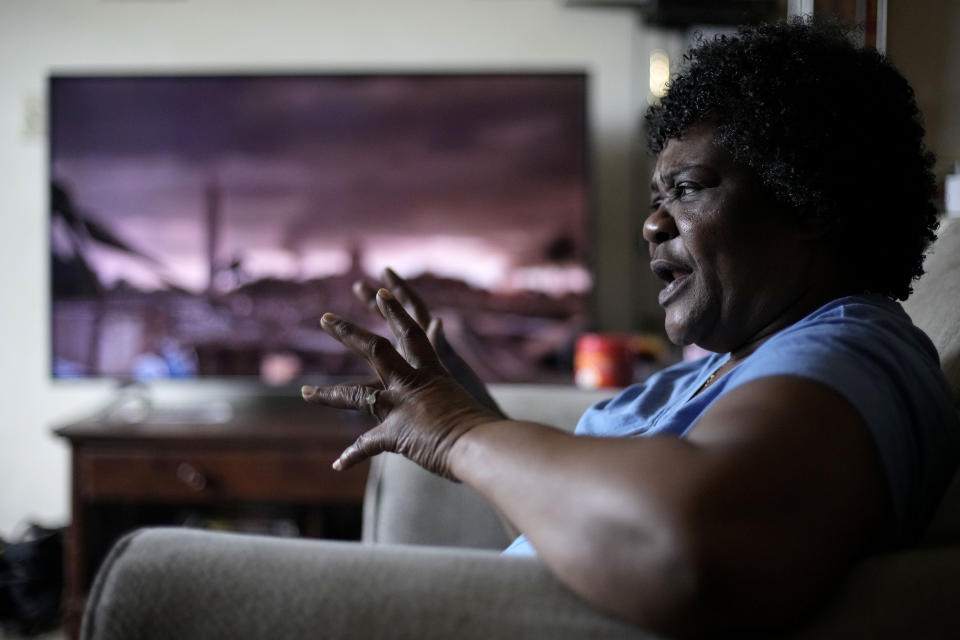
863, 347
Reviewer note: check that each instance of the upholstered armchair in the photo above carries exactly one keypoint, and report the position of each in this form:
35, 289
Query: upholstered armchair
429, 565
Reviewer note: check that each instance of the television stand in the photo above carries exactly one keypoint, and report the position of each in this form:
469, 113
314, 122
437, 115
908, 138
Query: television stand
261, 466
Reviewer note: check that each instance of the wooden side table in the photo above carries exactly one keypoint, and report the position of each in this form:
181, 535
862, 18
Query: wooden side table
259, 459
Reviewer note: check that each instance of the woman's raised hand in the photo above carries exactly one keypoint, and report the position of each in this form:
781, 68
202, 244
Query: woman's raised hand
462, 372
422, 410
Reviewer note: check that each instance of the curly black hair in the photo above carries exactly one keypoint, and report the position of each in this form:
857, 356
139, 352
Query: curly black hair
832, 131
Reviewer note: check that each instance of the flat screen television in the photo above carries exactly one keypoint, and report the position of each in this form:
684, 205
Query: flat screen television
200, 225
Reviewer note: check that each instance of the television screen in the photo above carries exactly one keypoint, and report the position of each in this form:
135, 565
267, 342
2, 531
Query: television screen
201, 225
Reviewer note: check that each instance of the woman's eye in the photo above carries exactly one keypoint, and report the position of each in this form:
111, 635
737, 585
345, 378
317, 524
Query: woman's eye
684, 189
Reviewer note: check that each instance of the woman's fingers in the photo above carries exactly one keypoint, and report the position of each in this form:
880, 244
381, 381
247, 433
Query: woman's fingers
438, 338
369, 444
342, 396
399, 288
367, 295
407, 297
410, 336
377, 350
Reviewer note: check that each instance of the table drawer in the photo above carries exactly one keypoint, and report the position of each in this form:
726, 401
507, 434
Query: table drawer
210, 476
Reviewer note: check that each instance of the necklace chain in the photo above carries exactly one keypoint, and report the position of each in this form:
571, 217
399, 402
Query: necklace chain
728, 365
709, 381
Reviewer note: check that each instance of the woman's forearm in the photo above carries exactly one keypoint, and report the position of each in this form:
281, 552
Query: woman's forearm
606, 516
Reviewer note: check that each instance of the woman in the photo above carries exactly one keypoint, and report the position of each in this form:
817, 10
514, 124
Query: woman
791, 206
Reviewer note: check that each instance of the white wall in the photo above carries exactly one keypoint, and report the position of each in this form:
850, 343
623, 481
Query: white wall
37, 36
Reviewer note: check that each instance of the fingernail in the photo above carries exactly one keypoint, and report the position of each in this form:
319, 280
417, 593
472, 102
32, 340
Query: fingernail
385, 294
329, 318
306, 391
337, 465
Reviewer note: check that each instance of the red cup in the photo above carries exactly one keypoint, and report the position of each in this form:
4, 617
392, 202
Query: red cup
602, 360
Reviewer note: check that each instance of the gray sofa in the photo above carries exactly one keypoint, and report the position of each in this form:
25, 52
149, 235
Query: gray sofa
413, 576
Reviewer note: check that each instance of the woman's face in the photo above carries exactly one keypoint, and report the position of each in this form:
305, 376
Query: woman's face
732, 261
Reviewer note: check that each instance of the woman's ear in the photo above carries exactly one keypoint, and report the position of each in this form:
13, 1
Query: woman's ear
814, 227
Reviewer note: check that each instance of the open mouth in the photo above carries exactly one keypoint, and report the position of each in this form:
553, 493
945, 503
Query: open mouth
669, 274
674, 274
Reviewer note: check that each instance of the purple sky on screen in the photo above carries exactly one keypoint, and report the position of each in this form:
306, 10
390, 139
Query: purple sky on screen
468, 176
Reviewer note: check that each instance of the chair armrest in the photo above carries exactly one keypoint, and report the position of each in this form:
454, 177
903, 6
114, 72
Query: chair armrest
186, 584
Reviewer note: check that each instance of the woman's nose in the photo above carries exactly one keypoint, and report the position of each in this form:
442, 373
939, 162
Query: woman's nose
659, 227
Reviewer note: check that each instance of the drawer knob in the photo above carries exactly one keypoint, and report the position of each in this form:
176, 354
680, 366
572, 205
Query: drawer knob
191, 476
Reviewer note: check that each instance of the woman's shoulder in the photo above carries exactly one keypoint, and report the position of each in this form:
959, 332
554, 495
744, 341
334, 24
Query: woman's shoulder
862, 306
866, 349
876, 323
